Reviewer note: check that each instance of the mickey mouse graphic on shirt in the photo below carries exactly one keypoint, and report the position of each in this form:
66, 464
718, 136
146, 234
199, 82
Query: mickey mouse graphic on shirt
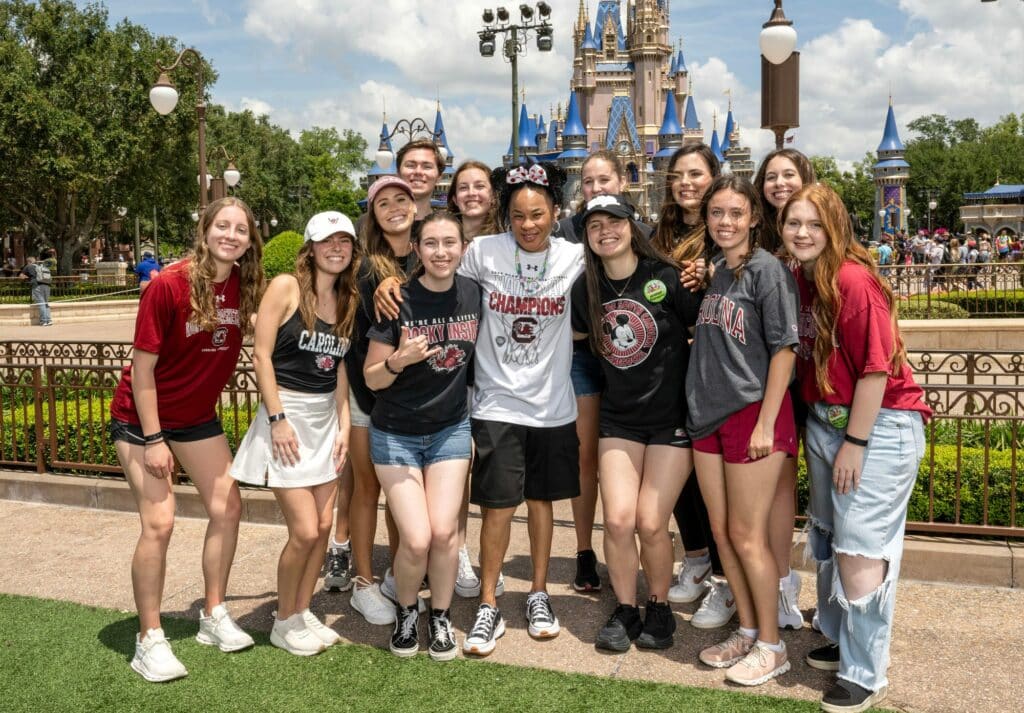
629, 331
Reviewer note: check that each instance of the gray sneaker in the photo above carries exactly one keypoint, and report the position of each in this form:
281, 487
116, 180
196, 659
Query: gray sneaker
338, 569
387, 588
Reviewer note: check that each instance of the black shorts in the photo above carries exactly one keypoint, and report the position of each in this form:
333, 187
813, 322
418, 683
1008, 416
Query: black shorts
132, 432
672, 436
515, 463
800, 409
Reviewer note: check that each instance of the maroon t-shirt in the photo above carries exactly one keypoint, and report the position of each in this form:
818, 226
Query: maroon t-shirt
864, 343
193, 365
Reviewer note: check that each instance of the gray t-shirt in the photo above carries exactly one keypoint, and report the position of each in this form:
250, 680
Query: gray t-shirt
741, 325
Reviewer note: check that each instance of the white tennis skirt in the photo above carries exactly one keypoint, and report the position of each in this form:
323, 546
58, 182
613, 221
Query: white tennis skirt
314, 417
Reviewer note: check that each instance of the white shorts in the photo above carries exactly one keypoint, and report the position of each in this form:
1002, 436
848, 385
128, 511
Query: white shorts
314, 417
356, 416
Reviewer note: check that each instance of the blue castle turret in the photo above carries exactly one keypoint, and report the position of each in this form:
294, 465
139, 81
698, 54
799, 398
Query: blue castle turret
891, 174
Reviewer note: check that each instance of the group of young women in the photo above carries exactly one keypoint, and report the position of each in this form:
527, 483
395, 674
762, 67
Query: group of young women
458, 340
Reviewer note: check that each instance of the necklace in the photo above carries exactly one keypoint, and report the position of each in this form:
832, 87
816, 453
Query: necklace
218, 294
531, 284
618, 293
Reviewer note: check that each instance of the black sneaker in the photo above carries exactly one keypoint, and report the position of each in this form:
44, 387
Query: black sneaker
442, 636
338, 569
622, 628
543, 622
848, 697
487, 629
587, 579
405, 640
659, 625
824, 658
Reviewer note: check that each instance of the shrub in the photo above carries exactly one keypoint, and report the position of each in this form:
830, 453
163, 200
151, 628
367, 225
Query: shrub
279, 254
917, 307
991, 303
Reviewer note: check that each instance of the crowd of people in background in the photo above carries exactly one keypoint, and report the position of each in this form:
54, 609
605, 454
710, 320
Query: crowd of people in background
493, 354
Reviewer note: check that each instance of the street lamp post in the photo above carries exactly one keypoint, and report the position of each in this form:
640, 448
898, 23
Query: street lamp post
411, 129
164, 97
932, 205
780, 76
514, 45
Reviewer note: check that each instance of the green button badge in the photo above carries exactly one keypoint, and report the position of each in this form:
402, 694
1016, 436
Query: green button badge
655, 291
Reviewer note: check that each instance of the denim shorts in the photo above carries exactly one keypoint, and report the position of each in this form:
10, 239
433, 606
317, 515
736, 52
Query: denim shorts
587, 378
450, 443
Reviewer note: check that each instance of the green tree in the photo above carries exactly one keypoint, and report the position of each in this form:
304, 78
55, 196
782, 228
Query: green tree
331, 159
856, 187
77, 134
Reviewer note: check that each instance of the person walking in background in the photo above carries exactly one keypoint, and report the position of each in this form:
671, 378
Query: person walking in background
146, 270
40, 277
298, 442
188, 336
865, 441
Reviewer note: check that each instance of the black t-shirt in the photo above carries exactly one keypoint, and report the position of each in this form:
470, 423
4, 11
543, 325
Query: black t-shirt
364, 321
646, 331
430, 395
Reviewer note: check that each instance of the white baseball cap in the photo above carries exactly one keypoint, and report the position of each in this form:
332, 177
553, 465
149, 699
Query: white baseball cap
323, 225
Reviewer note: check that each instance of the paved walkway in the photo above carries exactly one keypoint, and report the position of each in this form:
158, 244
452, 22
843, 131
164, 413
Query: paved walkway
116, 330
955, 648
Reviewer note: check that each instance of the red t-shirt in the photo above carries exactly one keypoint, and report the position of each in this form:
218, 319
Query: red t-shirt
193, 365
864, 344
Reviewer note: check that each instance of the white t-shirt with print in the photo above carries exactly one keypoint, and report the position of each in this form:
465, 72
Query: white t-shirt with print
524, 348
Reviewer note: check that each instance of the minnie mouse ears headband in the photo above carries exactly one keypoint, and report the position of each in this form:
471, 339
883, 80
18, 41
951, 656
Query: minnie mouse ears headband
546, 175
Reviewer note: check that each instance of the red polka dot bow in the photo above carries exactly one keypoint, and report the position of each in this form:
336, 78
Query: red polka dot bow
535, 174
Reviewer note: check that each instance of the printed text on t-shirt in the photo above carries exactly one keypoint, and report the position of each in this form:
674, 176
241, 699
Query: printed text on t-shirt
722, 311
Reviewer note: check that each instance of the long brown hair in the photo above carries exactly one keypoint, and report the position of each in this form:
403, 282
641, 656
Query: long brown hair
672, 236
382, 259
346, 290
490, 224
771, 236
737, 184
202, 269
840, 247
594, 271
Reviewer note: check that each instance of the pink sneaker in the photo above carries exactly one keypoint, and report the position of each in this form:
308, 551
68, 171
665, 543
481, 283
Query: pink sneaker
759, 666
728, 652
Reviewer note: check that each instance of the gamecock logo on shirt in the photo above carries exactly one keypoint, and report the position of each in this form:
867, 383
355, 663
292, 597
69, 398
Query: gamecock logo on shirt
450, 358
324, 362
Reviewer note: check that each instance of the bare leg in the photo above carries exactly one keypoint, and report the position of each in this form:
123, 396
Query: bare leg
324, 496
494, 536
344, 499
665, 470
541, 526
403, 487
155, 500
444, 483
299, 507
750, 487
363, 508
622, 462
207, 463
584, 505
783, 515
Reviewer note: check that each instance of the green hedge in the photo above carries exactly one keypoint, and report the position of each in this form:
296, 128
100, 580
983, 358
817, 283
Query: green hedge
917, 308
279, 254
992, 303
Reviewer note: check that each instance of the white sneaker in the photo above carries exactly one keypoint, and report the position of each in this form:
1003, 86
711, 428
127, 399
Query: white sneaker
790, 616
220, 630
295, 637
368, 601
718, 606
467, 584
154, 660
689, 585
323, 632
387, 588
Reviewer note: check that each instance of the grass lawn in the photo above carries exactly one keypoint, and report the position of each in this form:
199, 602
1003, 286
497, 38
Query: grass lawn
57, 656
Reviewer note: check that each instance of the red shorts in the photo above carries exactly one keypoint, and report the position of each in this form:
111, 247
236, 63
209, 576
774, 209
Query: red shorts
732, 438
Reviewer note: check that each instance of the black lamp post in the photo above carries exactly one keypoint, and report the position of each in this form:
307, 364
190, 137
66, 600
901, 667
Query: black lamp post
411, 129
515, 45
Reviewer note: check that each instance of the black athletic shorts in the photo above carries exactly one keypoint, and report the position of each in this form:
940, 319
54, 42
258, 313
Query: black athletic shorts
515, 463
132, 432
672, 436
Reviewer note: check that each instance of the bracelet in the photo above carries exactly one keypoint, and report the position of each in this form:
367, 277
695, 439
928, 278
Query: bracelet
154, 437
389, 369
274, 418
862, 442
147, 444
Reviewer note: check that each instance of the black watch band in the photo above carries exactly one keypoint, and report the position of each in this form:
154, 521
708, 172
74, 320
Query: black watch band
862, 442
274, 418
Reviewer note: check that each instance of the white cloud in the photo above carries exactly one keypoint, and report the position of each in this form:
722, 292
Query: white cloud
964, 59
212, 15
256, 106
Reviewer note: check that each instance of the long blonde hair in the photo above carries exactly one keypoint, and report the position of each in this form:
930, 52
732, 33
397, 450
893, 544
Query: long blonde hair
840, 247
346, 290
202, 270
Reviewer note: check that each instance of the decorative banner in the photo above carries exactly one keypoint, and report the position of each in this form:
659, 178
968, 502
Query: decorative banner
892, 204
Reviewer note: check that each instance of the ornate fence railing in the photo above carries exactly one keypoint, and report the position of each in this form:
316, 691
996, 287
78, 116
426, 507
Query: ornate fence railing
14, 290
55, 405
982, 290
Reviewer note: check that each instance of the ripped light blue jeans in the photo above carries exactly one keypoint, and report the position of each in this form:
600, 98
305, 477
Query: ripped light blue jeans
868, 522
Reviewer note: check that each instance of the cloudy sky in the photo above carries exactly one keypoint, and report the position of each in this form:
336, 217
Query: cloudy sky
340, 62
